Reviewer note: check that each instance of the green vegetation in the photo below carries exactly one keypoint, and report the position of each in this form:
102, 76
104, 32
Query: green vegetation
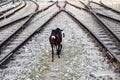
118, 64
32, 74
118, 6
45, 69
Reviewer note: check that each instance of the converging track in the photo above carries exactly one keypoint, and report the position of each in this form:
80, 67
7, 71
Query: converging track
111, 22
20, 13
101, 32
101, 9
11, 12
6, 52
8, 7
88, 45
17, 38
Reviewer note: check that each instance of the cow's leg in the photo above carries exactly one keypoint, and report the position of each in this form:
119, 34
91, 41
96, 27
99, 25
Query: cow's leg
59, 50
52, 53
60, 47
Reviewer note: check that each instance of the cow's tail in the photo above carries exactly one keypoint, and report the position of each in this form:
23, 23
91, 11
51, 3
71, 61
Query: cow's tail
63, 35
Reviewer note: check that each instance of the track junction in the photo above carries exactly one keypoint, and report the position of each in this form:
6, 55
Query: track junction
91, 48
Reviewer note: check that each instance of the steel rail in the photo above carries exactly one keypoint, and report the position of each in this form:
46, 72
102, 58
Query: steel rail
65, 3
19, 29
103, 15
106, 49
6, 25
36, 5
117, 20
110, 8
111, 32
2, 12
21, 44
12, 13
99, 14
5, 3
57, 5
84, 5
31, 16
105, 26
103, 5
114, 58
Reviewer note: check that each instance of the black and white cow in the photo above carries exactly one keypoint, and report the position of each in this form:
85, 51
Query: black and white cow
55, 41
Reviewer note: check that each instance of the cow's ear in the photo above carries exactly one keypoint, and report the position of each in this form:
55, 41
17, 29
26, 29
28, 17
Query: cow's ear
61, 30
53, 29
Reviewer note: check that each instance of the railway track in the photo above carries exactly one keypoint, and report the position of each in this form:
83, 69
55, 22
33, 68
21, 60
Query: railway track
21, 13
109, 22
46, 12
18, 38
8, 29
5, 3
101, 9
82, 66
43, 4
3, 26
110, 8
78, 4
14, 32
12, 11
104, 36
106, 20
8, 8
112, 24
61, 4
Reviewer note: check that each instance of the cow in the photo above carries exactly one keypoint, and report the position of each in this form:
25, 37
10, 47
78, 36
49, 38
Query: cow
55, 40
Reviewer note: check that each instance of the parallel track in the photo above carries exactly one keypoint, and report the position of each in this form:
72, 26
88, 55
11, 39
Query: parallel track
103, 10
8, 30
8, 9
61, 4
12, 36
110, 8
3, 26
11, 12
112, 23
103, 35
10, 44
5, 3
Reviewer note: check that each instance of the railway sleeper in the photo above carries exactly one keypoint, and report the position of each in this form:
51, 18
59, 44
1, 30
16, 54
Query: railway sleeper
3, 66
117, 70
111, 59
112, 47
103, 51
12, 57
115, 63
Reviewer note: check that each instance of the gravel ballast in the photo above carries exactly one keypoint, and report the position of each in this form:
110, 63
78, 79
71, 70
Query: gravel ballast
80, 57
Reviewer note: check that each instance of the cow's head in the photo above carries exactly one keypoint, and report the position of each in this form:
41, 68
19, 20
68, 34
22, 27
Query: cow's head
59, 29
